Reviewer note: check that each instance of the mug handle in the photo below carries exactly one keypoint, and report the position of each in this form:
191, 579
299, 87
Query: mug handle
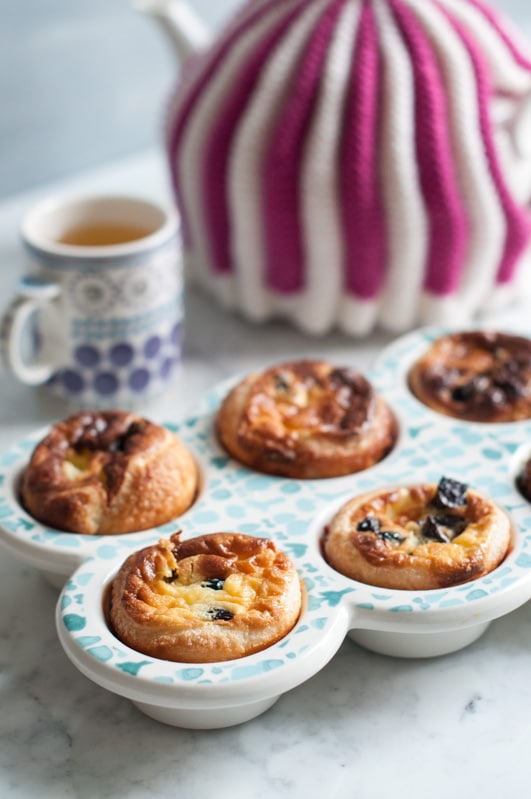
32, 294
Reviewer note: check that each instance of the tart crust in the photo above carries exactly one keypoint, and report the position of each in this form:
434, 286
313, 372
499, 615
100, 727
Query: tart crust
399, 555
306, 419
478, 376
216, 597
108, 472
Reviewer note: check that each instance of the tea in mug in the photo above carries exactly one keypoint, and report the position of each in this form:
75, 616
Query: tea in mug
101, 234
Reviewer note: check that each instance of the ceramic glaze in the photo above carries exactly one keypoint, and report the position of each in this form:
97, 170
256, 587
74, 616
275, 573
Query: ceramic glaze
347, 163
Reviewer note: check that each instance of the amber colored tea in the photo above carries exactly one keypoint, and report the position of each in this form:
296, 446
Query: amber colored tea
101, 234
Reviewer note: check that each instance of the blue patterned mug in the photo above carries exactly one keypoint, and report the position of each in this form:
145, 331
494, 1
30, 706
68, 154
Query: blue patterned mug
101, 306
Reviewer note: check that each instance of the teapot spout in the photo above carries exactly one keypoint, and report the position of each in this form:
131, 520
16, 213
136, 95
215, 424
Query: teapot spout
184, 29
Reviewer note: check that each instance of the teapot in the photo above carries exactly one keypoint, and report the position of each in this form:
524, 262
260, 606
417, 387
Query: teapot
353, 163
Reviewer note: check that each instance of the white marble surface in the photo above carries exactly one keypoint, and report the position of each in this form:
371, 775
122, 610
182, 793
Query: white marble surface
366, 727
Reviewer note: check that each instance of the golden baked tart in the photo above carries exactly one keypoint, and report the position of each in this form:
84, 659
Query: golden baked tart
306, 419
216, 597
478, 376
108, 472
419, 537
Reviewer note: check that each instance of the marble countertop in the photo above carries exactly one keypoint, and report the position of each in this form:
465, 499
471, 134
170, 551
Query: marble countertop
366, 726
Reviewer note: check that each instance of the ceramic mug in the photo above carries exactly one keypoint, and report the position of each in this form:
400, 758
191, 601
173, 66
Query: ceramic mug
100, 310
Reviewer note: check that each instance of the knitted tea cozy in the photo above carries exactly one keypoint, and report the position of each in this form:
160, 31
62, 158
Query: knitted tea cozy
347, 163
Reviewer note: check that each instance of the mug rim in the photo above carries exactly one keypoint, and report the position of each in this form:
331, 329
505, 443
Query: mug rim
45, 246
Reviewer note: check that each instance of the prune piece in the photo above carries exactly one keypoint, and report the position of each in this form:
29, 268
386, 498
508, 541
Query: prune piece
454, 523
173, 576
215, 583
450, 494
430, 529
369, 525
463, 393
216, 614
389, 535
372, 525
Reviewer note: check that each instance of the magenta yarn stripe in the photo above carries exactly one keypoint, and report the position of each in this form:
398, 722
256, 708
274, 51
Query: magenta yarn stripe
495, 21
447, 216
214, 177
516, 220
363, 222
283, 163
212, 64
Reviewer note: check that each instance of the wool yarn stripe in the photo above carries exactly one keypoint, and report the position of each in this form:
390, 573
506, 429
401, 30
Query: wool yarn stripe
321, 214
354, 163
282, 164
517, 220
219, 141
245, 172
487, 227
407, 224
361, 203
448, 222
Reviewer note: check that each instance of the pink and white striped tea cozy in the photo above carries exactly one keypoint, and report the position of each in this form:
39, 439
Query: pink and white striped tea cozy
353, 163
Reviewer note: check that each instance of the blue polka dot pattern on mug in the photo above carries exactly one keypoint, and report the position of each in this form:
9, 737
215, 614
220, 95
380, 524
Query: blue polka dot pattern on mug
106, 384
72, 381
121, 354
152, 347
122, 368
86, 355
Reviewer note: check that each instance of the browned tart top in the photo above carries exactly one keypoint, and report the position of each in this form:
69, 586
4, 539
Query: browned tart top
478, 376
211, 598
418, 537
306, 419
302, 399
108, 472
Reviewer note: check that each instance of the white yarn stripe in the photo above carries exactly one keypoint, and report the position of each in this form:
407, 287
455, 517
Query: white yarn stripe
321, 215
406, 221
514, 160
486, 219
356, 316
191, 156
507, 74
518, 291
245, 169
437, 310
194, 66
509, 77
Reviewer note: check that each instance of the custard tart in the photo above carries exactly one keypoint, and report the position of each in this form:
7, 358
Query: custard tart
108, 472
306, 419
418, 537
215, 597
478, 376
